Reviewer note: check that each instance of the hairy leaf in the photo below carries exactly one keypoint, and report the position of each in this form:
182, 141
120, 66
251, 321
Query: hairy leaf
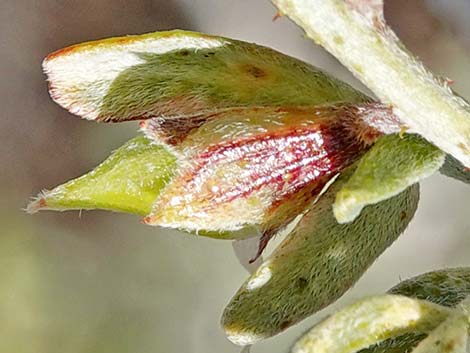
317, 263
179, 73
447, 287
128, 181
388, 168
371, 320
449, 337
454, 169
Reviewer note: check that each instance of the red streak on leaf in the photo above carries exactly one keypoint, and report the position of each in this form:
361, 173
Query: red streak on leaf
286, 161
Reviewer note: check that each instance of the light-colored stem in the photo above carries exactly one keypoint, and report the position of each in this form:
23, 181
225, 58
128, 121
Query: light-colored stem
464, 307
354, 31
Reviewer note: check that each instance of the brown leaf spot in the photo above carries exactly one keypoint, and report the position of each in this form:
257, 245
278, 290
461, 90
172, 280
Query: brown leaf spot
255, 71
449, 346
285, 324
301, 283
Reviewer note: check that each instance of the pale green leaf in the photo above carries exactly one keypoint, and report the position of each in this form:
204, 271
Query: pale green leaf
369, 321
128, 181
447, 287
388, 168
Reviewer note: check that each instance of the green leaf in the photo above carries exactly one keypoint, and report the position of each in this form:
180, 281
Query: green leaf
454, 169
315, 265
449, 337
447, 287
371, 320
179, 73
128, 181
388, 168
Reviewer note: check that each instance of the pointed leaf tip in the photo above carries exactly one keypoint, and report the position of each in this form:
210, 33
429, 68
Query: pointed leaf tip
128, 181
37, 204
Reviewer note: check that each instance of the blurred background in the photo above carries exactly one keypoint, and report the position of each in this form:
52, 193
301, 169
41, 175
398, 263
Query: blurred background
100, 282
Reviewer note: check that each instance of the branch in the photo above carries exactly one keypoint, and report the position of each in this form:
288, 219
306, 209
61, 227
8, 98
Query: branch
355, 32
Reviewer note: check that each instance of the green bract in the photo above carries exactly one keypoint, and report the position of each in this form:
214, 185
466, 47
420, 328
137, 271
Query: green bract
128, 181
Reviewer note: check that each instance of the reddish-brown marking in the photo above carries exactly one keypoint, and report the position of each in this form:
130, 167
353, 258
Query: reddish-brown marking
285, 324
62, 51
449, 81
255, 71
42, 203
277, 16
101, 42
123, 40
331, 144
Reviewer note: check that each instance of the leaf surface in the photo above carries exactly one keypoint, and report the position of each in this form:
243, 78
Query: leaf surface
371, 320
389, 167
316, 264
449, 337
454, 169
448, 287
180, 73
128, 181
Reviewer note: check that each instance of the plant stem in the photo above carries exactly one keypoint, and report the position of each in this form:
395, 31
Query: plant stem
355, 32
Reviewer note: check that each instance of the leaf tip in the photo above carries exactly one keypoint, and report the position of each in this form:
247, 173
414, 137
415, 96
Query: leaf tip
346, 207
37, 204
241, 337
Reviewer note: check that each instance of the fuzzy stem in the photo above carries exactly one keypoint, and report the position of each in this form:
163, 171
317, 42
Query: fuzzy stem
355, 32
464, 307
